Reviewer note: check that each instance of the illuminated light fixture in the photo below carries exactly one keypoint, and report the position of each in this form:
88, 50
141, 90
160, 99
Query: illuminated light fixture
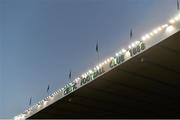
133, 45
123, 50
170, 29
105, 62
165, 25
143, 38
82, 76
45, 102
137, 42
147, 36
90, 71
97, 67
177, 18
100, 65
159, 29
76, 80
108, 60
130, 47
151, 33
172, 21
117, 54
155, 31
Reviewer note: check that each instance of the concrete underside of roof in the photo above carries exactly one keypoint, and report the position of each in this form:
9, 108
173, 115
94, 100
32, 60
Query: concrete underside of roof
146, 86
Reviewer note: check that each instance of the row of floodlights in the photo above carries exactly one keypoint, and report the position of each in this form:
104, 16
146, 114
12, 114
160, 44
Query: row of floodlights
169, 27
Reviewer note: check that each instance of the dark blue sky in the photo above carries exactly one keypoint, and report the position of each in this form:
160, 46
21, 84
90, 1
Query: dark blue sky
40, 40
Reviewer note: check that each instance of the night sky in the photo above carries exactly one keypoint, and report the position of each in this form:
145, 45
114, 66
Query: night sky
41, 40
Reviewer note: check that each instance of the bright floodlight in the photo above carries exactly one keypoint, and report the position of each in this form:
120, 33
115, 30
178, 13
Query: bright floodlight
172, 21
97, 67
170, 29
165, 25
108, 60
143, 38
90, 71
117, 54
123, 50
151, 33
159, 28
155, 31
177, 18
105, 62
133, 45
147, 36
137, 42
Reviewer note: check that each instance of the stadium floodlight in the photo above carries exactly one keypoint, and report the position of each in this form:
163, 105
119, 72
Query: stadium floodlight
90, 71
123, 50
147, 36
165, 25
177, 18
170, 29
108, 60
105, 62
100, 65
159, 29
137, 42
133, 45
151, 33
172, 21
155, 31
97, 67
117, 54
143, 38
83, 75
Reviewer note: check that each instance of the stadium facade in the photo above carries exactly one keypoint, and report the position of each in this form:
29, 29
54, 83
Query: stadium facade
141, 81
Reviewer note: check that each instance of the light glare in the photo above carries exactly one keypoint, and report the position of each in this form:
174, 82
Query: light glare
169, 29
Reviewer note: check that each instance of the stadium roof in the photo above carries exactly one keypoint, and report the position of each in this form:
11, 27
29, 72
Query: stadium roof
142, 81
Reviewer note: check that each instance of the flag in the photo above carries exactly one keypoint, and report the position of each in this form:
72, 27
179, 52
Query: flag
178, 5
131, 34
30, 100
70, 74
97, 47
48, 88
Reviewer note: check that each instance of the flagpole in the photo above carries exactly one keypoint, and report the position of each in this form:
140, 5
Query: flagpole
70, 75
30, 101
178, 6
98, 57
97, 49
48, 89
131, 34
